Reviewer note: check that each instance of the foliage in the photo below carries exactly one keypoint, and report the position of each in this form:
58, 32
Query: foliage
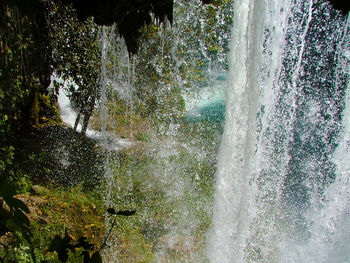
61, 245
54, 35
22, 79
156, 88
23, 100
171, 189
203, 33
185, 57
23, 40
170, 61
76, 59
16, 221
55, 211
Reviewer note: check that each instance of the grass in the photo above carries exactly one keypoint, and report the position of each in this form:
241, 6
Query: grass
53, 211
171, 188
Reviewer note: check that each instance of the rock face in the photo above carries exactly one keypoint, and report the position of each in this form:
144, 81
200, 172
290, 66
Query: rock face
34, 203
129, 15
39, 190
342, 5
62, 157
4, 215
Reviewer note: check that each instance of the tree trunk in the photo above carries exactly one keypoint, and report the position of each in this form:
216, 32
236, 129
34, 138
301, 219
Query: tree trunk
87, 115
35, 109
77, 119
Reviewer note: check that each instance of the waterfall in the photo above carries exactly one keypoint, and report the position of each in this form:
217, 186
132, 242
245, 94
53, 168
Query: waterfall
282, 178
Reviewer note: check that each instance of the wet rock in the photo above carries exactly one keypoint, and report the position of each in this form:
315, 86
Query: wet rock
4, 215
39, 190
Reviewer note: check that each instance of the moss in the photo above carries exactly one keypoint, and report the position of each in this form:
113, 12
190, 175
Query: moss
142, 137
49, 113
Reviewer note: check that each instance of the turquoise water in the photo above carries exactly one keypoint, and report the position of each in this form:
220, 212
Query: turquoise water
211, 112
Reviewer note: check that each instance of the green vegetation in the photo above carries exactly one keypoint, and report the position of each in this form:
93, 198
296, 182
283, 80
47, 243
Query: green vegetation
53, 194
76, 59
151, 194
51, 212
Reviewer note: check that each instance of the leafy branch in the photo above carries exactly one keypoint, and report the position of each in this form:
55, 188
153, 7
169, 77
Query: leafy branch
18, 221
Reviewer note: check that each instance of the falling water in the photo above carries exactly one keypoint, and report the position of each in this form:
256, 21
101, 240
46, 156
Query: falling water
166, 175
283, 175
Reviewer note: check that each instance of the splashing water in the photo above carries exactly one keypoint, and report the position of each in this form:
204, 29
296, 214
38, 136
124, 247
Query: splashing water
282, 180
167, 175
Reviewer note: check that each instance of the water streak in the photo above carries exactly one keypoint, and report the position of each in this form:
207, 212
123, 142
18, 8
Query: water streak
279, 160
